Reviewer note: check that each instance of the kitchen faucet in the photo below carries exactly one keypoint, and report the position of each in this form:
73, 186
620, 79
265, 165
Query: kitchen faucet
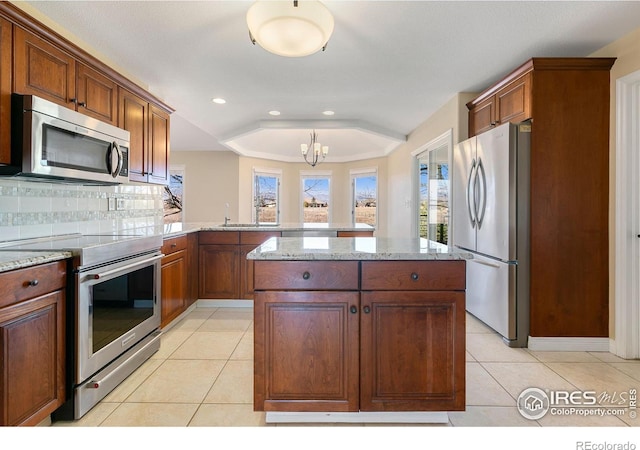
226, 214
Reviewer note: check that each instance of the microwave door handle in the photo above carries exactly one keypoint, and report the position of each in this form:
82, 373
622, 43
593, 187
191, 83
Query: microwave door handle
471, 208
116, 147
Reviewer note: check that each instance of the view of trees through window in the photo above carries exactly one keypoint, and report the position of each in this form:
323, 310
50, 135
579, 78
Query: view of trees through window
434, 196
315, 200
265, 199
365, 199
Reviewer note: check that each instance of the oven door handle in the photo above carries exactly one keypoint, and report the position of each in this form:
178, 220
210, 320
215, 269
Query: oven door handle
107, 273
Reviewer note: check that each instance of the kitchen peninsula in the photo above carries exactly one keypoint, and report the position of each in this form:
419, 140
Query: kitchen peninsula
358, 330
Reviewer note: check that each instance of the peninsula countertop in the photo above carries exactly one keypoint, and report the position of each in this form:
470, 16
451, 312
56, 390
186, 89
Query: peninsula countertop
174, 229
358, 248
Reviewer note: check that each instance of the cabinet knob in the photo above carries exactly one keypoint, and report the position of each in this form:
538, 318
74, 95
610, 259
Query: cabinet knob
414, 276
306, 275
353, 309
366, 310
33, 282
174, 245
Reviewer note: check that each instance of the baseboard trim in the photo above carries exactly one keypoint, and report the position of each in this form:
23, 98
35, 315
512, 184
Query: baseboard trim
569, 344
358, 417
222, 303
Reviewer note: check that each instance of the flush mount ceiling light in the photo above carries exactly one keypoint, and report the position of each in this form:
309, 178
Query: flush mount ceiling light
317, 150
290, 28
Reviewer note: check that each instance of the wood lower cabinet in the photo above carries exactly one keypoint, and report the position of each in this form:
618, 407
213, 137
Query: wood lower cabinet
337, 336
32, 343
225, 272
174, 279
307, 353
412, 346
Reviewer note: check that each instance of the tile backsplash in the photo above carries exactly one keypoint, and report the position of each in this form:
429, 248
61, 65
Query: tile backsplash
33, 209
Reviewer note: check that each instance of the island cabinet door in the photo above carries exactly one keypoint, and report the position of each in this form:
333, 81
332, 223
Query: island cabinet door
306, 351
412, 351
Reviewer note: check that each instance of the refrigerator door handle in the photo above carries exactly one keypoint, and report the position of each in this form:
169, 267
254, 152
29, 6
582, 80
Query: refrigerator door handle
495, 266
471, 188
482, 192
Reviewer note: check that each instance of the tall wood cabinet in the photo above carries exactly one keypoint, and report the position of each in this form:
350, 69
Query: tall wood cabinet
5, 91
32, 343
568, 102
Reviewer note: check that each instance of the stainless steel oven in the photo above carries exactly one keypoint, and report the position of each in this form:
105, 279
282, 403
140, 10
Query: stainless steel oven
118, 315
113, 311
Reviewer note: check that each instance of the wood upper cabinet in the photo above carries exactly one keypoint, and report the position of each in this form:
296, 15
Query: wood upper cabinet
42, 69
32, 333
510, 103
97, 95
148, 127
343, 336
5, 91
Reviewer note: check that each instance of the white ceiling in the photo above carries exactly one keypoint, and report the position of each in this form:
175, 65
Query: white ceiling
388, 66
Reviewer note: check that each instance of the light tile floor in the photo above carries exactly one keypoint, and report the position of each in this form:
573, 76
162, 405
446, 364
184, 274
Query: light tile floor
202, 377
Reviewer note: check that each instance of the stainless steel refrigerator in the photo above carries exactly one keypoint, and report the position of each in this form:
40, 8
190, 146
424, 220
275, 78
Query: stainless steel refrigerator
490, 204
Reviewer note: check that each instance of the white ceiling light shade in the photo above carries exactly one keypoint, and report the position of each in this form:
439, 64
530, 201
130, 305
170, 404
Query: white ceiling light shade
290, 28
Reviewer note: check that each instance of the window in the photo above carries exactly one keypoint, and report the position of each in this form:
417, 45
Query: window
316, 198
434, 189
364, 204
266, 196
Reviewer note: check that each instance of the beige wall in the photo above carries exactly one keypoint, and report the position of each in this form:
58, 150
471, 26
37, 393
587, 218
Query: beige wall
402, 166
210, 181
218, 177
627, 52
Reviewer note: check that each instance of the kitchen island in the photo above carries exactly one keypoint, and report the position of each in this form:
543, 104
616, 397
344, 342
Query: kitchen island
358, 330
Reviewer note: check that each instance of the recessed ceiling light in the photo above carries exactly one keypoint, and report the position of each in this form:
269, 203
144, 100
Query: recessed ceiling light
219, 101
274, 113
328, 113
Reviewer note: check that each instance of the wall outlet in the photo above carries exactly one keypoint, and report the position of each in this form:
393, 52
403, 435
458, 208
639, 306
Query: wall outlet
121, 204
111, 205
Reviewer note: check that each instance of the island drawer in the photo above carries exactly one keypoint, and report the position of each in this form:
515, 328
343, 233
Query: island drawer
174, 244
23, 284
306, 275
413, 275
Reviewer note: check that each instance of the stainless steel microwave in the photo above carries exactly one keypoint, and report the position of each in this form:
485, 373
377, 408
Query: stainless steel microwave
49, 141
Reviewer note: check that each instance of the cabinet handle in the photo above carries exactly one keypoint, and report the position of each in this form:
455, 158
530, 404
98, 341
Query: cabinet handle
75, 100
33, 282
306, 275
174, 245
353, 309
414, 276
366, 310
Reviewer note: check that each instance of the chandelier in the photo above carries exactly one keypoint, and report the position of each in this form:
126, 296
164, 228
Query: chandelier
290, 28
318, 150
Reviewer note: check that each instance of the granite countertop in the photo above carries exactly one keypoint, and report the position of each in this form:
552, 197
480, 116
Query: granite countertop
10, 260
359, 248
175, 229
